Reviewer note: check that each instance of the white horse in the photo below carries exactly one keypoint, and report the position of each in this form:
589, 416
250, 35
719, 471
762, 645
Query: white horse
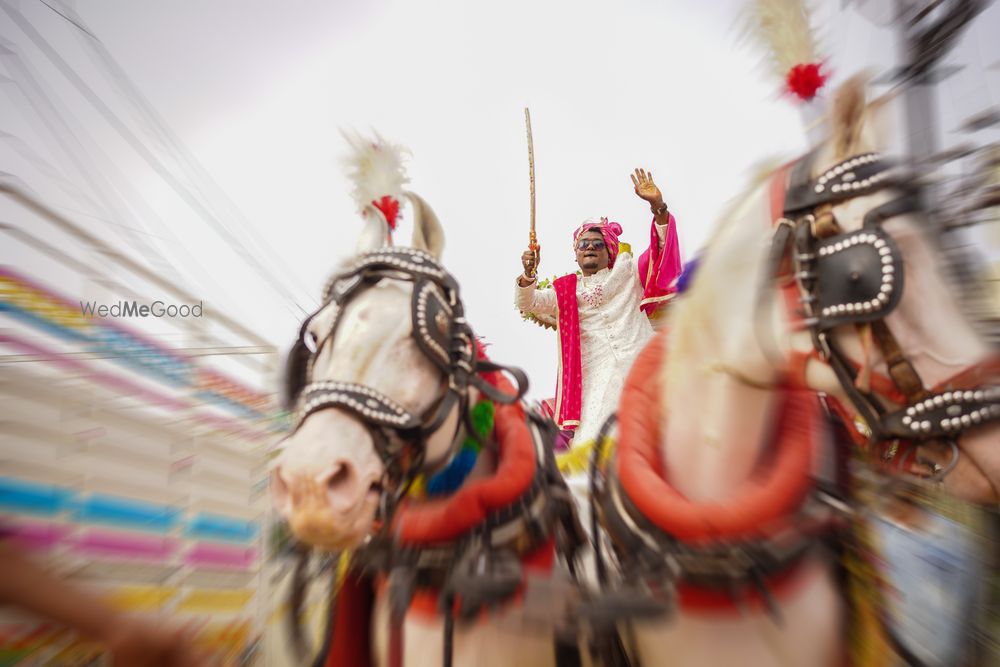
715, 433
385, 332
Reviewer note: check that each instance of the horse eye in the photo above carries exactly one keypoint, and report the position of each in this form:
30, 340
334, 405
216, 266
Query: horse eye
309, 340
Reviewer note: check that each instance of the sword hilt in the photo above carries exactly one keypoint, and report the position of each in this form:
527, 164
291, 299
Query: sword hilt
536, 248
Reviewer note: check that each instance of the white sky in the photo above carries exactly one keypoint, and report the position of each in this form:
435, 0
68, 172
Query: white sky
257, 90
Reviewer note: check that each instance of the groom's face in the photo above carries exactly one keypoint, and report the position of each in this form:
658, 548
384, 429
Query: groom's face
591, 253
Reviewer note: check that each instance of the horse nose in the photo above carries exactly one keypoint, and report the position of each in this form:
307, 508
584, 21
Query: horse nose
342, 484
338, 487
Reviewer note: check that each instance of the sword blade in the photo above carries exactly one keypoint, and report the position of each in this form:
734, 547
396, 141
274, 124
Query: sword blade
532, 238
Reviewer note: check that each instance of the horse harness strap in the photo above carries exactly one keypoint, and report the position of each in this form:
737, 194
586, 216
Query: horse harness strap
483, 568
715, 555
783, 233
738, 569
517, 529
857, 278
902, 372
440, 331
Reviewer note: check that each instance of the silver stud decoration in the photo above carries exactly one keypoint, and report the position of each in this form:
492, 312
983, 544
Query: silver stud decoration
846, 177
330, 393
422, 326
959, 409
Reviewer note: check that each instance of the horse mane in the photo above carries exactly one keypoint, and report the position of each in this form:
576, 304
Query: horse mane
854, 125
847, 117
691, 326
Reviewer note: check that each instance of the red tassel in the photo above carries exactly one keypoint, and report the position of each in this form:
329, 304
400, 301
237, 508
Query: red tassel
804, 81
390, 209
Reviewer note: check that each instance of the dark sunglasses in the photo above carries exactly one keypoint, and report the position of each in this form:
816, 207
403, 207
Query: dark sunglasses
596, 244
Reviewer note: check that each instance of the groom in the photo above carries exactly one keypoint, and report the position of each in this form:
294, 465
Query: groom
603, 314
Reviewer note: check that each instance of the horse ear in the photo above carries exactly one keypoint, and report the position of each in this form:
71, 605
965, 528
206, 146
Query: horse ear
848, 115
375, 233
427, 232
885, 124
296, 368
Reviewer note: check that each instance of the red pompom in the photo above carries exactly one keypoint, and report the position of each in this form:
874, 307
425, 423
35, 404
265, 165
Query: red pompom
390, 209
805, 80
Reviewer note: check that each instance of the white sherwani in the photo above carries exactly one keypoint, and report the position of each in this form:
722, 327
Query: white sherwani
612, 333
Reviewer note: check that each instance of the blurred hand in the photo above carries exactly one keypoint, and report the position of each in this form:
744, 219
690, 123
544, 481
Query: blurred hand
141, 643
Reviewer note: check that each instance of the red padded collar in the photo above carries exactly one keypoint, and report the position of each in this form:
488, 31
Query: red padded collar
432, 522
770, 496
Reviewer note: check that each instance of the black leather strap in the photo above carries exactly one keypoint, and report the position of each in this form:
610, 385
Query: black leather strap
867, 405
491, 392
765, 292
856, 176
798, 184
439, 330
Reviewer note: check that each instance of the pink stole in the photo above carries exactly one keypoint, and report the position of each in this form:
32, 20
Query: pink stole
569, 388
659, 268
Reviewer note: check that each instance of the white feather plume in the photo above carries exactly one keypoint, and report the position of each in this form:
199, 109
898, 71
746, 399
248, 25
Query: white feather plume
782, 28
376, 168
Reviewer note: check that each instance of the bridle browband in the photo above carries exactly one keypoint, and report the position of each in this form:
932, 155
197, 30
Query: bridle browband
857, 278
441, 333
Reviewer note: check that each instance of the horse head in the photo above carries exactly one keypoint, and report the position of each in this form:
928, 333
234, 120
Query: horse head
720, 434
852, 300
364, 381
881, 330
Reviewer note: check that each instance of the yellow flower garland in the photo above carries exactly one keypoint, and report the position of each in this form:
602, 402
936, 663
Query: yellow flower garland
576, 460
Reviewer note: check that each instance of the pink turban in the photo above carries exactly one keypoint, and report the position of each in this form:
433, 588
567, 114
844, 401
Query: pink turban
609, 230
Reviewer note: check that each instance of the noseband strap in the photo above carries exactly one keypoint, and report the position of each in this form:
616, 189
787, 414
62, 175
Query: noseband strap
373, 406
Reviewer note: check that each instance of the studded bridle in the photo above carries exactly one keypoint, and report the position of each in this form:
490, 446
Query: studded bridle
440, 332
857, 278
